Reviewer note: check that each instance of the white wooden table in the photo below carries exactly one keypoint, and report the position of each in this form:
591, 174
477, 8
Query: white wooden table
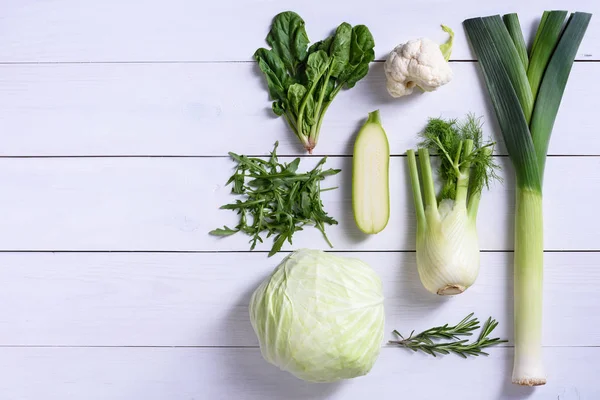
115, 122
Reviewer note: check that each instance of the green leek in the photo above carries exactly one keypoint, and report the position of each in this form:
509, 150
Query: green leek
526, 91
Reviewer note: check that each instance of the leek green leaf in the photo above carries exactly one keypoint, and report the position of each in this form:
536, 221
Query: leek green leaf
554, 83
514, 29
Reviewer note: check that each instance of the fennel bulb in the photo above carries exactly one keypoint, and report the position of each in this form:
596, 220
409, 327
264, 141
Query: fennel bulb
447, 241
320, 317
448, 249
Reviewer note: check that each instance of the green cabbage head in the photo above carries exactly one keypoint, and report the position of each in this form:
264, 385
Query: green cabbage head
320, 316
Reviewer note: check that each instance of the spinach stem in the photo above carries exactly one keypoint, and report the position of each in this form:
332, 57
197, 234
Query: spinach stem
318, 112
317, 127
300, 120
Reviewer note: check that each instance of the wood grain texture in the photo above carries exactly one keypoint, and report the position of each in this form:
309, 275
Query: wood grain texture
211, 109
231, 30
127, 299
230, 373
170, 204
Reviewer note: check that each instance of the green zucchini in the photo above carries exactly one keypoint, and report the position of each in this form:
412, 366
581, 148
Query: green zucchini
370, 177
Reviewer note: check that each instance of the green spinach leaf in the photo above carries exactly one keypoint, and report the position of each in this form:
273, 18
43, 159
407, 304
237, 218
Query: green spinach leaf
295, 95
317, 64
340, 49
272, 66
321, 45
362, 43
361, 54
278, 107
288, 39
309, 112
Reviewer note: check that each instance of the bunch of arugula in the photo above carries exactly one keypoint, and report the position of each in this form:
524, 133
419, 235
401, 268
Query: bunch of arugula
302, 80
278, 200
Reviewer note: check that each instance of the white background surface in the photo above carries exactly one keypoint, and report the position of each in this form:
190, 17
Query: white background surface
115, 121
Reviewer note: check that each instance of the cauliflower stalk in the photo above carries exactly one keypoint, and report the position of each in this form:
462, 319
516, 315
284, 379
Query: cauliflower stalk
418, 63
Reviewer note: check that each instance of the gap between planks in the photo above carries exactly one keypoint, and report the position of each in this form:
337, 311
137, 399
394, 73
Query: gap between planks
66, 346
260, 251
259, 155
191, 62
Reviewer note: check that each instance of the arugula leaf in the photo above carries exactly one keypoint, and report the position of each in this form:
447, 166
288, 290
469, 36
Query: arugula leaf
225, 231
293, 166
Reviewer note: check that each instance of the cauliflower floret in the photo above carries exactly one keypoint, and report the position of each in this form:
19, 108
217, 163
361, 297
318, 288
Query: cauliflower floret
416, 63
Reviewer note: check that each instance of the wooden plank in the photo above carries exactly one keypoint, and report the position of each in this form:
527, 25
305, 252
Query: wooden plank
137, 299
210, 109
227, 373
172, 203
228, 30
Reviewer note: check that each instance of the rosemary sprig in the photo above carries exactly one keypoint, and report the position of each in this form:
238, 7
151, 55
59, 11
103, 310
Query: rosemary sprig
277, 200
424, 341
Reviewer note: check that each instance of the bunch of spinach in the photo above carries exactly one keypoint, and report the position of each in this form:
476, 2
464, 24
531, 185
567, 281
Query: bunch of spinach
302, 80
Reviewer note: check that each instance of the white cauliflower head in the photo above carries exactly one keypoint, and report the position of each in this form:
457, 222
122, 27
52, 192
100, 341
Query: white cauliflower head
419, 63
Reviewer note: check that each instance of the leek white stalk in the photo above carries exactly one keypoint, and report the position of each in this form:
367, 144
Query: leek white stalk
526, 90
529, 261
447, 243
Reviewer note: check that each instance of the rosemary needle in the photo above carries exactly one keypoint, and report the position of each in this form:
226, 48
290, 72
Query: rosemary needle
426, 341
